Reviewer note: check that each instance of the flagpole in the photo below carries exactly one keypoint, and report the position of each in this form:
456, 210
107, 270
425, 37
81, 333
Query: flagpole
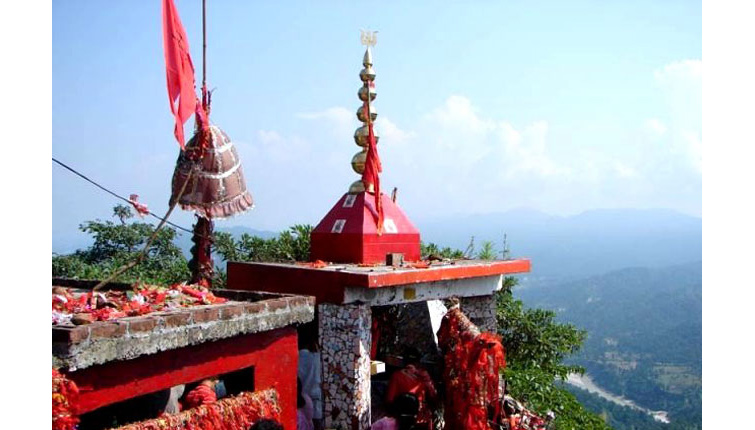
201, 264
205, 102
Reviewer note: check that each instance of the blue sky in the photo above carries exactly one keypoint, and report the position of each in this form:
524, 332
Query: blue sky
485, 106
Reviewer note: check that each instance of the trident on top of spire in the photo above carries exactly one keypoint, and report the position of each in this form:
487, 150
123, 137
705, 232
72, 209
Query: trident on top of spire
369, 38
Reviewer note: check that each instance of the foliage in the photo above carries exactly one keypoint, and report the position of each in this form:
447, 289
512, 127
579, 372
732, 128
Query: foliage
645, 328
431, 249
536, 347
117, 244
290, 245
487, 252
533, 338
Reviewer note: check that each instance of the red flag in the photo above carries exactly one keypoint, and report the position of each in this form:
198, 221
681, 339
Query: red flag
179, 69
372, 169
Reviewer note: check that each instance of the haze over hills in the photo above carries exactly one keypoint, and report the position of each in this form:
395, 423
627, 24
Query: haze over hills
589, 243
593, 242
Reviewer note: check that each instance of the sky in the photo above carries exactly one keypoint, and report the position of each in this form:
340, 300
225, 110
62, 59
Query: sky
561, 106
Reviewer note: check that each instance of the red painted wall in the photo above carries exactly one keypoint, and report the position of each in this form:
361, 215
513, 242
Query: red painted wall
274, 355
357, 240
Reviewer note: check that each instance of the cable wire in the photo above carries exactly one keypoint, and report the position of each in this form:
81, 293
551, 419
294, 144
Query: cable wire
74, 171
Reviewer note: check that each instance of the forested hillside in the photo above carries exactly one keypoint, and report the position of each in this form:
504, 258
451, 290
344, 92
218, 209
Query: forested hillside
644, 340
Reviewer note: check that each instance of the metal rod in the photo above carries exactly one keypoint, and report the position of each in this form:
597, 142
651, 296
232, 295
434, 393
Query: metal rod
204, 53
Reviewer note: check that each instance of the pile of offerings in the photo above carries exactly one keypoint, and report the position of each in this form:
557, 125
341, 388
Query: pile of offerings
76, 306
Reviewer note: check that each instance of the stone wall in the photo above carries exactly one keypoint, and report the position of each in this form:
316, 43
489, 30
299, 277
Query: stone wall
481, 311
345, 340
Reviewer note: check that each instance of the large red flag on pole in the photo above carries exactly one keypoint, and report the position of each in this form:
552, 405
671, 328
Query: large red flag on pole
179, 69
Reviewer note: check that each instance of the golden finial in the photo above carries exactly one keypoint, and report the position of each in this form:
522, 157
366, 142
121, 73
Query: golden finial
366, 94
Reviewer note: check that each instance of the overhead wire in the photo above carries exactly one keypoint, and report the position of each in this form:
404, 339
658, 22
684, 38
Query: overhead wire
113, 193
76, 172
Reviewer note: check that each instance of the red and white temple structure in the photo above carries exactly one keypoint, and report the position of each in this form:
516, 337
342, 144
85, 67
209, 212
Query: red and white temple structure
366, 291
357, 289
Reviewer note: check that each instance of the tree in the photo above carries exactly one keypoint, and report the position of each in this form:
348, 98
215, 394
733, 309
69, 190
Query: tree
122, 212
117, 244
487, 252
428, 250
290, 245
536, 346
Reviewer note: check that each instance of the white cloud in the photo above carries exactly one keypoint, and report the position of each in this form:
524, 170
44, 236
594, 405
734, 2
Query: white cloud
339, 118
681, 84
655, 127
624, 171
457, 159
390, 132
685, 71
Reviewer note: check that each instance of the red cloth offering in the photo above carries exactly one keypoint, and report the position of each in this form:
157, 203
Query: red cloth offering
201, 395
65, 396
416, 381
472, 364
372, 170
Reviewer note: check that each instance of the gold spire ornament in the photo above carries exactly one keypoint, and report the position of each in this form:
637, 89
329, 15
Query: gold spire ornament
366, 95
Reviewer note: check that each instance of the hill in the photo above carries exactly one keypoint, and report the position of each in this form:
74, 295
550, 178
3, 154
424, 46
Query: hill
644, 333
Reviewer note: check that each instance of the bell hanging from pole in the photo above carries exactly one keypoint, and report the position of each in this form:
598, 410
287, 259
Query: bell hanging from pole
216, 190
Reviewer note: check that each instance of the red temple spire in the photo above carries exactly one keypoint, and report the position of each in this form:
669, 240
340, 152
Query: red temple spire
365, 225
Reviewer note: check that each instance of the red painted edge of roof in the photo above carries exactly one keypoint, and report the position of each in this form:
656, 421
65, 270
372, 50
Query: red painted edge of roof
298, 279
443, 273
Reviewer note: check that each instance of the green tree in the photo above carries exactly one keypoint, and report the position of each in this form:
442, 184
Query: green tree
122, 212
117, 244
428, 250
290, 245
536, 346
487, 252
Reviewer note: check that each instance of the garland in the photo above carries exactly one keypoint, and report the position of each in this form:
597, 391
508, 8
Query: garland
143, 299
65, 398
232, 413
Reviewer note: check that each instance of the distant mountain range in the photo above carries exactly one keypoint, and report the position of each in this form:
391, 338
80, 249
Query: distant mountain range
590, 243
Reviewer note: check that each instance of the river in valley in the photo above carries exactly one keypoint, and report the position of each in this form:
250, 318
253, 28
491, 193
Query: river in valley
586, 383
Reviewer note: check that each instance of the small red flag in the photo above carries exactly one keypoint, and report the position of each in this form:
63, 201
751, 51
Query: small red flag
179, 69
372, 169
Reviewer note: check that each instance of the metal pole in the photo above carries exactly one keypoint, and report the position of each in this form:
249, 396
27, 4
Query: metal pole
204, 54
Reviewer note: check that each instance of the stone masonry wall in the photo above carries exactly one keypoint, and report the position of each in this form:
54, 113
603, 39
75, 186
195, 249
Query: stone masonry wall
345, 341
481, 311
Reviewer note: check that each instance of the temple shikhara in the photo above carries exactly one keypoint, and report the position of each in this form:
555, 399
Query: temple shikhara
368, 326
